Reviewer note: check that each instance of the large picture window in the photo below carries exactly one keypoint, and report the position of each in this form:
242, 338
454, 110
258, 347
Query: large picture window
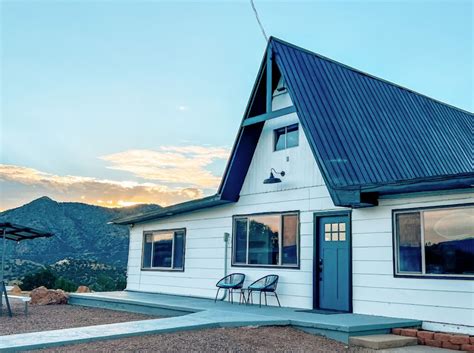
164, 250
435, 242
266, 240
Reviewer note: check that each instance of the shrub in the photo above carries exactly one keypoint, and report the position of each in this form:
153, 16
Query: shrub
65, 284
44, 277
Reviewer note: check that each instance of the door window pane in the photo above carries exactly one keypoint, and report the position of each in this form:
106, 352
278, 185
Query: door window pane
178, 260
409, 242
449, 241
162, 249
240, 240
290, 240
342, 236
264, 240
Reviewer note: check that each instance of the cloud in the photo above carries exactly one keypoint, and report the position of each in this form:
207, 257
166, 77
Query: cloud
183, 165
30, 182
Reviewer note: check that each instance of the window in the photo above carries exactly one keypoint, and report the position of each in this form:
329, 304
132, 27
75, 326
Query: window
286, 137
164, 250
435, 242
266, 240
335, 232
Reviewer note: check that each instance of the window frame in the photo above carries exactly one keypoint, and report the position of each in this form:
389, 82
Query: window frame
280, 241
164, 269
285, 128
395, 249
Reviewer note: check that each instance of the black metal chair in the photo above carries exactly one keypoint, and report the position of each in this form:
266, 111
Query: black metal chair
267, 284
230, 283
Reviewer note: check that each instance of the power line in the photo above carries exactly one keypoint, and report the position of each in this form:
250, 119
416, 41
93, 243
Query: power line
258, 20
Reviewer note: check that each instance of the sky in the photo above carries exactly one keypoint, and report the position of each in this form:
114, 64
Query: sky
121, 102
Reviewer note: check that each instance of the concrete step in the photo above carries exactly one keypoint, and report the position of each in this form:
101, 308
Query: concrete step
382, 341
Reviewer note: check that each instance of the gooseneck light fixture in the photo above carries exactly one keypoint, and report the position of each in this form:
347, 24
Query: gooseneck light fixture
272, 179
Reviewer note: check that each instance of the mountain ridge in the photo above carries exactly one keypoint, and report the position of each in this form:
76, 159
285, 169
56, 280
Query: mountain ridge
82, 232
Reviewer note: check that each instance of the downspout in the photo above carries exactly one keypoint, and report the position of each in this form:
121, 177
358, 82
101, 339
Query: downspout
226, 242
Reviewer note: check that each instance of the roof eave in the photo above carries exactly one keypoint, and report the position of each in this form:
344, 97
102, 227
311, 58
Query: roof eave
185, 207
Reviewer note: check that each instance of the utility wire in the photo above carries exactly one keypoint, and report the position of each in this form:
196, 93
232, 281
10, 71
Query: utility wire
258, 20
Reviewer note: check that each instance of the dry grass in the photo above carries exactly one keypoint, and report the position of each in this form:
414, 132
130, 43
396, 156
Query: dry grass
53, 317
263, 339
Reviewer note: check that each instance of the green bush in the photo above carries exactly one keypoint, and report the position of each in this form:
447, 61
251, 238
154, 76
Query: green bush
65, 284
44, 277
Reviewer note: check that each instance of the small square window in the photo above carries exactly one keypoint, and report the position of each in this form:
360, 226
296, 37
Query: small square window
327, 236
286, 137
334, 236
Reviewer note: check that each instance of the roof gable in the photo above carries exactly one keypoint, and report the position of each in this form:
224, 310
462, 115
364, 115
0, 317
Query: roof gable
368, 135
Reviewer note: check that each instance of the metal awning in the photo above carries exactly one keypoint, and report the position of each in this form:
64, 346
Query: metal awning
18, 232
15, 232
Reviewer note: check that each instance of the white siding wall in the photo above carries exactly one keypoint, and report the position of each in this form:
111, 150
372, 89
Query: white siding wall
302, 190
375, 290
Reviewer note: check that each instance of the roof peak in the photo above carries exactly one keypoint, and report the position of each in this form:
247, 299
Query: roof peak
358, 71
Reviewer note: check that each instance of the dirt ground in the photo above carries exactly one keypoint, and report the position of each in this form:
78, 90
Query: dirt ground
262, 339
52, 317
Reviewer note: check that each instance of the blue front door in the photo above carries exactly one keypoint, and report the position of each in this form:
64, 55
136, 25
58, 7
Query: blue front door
332, 265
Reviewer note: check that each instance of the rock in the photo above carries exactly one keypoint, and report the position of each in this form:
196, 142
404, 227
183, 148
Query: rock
83, 289
15, 290
44, 296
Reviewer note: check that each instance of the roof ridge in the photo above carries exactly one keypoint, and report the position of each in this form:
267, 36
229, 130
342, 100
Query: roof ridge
294, 46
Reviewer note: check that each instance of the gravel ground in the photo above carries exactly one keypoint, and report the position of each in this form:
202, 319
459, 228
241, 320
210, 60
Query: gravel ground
52, 317
246, 339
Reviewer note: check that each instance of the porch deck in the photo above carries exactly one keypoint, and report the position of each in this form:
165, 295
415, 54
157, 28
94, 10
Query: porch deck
336, 326
187, 313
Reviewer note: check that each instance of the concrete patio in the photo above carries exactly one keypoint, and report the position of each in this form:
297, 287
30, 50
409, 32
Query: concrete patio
186, 313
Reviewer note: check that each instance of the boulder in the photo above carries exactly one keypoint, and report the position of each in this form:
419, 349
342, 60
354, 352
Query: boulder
83, 289
15, 290
44, 296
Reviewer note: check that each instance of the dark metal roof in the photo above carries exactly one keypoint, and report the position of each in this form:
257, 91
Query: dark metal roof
18, 232
173, 210
367, 134
368, 131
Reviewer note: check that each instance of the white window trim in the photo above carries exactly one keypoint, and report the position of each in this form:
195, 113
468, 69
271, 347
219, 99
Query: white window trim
280, 241
396, 252
171, 268
286, 136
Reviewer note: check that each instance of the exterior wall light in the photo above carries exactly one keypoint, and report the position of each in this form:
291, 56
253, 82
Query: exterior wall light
272, 179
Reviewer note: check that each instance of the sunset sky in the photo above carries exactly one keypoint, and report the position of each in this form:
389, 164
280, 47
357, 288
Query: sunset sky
121, 102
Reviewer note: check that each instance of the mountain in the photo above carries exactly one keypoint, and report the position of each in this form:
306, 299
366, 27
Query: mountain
82, 234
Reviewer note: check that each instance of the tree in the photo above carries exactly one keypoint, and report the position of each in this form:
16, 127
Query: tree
44, 277
65, 284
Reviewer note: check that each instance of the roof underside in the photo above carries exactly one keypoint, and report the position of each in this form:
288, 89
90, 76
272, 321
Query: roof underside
18, 232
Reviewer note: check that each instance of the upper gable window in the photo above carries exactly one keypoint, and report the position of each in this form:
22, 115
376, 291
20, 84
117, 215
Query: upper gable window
286, 137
